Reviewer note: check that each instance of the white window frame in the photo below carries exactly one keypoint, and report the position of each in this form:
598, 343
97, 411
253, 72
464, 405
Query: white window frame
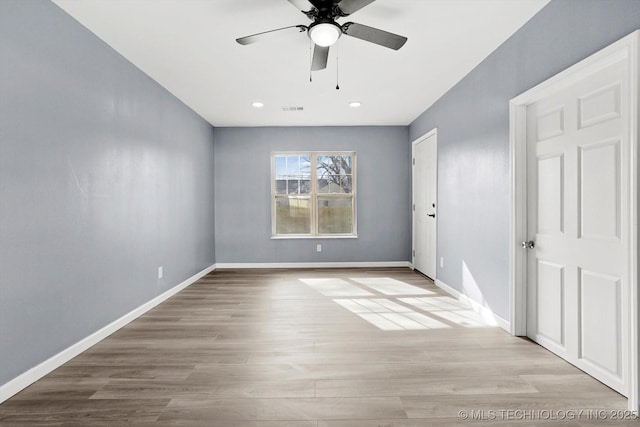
313, 195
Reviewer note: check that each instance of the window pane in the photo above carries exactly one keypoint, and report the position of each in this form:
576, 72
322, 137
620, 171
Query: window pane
293, 165
346, 165
305, 185
335, 215
281, 166
293, 186
347, 184
305, 165
293, 215
323, 185
281, 186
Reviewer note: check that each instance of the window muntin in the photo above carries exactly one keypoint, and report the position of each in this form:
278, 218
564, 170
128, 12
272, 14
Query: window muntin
318, 204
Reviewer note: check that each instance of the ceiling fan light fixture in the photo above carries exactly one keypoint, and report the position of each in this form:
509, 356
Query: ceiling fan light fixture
325, 33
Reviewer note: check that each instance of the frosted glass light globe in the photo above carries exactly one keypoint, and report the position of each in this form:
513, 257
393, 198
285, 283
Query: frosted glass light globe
325, 34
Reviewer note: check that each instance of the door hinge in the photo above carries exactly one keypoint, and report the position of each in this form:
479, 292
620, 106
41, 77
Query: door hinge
414, 161
413, 253
414, 206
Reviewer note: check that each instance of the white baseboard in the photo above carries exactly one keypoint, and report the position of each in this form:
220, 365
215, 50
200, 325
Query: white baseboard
32, 375
312, 264
487, 314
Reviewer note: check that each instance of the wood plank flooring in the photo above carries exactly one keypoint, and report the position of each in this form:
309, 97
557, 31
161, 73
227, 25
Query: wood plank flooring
314, 348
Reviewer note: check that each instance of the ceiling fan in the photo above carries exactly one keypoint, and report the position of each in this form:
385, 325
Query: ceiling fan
324, 31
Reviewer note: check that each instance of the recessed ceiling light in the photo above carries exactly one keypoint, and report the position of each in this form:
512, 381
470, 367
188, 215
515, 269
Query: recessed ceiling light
257, 105
355, 104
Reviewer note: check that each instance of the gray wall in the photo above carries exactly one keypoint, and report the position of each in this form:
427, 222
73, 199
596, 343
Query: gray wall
104, 176
243, 194
473, 137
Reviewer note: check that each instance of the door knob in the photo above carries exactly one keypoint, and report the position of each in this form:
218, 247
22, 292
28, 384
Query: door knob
528, 244
432, 215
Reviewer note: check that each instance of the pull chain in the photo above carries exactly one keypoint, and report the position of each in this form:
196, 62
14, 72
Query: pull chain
310, 61
337, 69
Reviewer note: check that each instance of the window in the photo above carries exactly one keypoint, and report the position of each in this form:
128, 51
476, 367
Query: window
313, 194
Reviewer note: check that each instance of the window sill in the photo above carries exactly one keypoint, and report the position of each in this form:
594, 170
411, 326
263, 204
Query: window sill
298, 237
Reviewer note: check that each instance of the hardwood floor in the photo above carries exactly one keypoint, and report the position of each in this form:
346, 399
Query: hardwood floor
314, 348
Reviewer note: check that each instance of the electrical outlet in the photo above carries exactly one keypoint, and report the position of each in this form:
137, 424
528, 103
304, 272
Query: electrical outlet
160, 272
441, 262
318, 248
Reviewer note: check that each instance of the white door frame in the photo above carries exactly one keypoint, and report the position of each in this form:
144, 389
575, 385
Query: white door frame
626, 49
432, 132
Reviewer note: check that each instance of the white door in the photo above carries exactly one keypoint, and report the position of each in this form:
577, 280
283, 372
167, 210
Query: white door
425, 172
577, 217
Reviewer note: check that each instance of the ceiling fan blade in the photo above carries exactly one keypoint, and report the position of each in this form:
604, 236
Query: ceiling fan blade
374, 35
259, 36
350, 6
320, 58
303, 5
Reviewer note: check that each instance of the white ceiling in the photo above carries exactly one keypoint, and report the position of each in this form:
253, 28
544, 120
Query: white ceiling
188, 46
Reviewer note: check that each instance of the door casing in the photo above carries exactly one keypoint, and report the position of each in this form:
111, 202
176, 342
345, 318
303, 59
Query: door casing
626, 49
433, 132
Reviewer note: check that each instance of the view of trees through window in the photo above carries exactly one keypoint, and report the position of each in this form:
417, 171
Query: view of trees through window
313, 194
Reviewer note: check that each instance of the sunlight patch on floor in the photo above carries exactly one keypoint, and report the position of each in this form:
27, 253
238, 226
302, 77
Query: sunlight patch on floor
448, 308
380, 305
389, 286
406, 307
388, 315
